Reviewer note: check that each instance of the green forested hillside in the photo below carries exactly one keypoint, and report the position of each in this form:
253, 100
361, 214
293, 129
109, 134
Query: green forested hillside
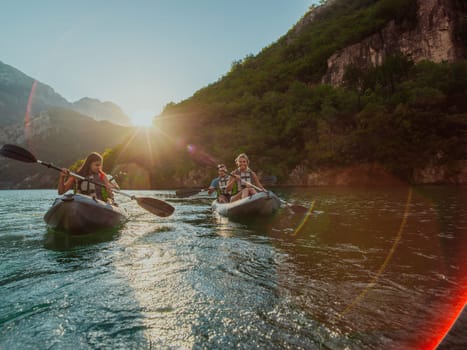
272, 105
399, 115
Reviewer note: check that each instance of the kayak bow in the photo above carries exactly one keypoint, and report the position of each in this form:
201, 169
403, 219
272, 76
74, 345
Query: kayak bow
259, 204
81, 214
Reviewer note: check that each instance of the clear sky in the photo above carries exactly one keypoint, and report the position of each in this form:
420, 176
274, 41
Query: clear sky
140, 54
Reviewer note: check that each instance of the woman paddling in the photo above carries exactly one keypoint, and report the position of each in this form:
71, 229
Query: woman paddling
92, 170
242, 175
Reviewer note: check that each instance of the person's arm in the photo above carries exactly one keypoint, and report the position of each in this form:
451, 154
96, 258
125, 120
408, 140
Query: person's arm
256, 181
212, 187
231, 182
108, 187
64, 186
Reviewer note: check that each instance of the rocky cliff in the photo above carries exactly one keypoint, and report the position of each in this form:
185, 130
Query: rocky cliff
438, 34
377, 175
58, 135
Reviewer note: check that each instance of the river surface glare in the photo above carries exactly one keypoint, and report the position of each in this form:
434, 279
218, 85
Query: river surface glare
369, 268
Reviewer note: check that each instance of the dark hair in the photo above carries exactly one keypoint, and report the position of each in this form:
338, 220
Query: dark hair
86, 167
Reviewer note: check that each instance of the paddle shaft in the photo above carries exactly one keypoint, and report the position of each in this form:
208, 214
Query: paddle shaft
249, 184
153, 205
184, 193
50, 165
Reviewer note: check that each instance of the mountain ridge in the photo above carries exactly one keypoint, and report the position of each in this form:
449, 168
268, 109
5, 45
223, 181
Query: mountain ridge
17, 87
59, 135
101, 110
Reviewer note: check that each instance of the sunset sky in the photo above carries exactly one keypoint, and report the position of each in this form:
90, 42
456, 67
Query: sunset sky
139, 54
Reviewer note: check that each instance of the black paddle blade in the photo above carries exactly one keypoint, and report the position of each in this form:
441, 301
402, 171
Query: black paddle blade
155, 206
298, 209
17, 153
187, 192
268, 180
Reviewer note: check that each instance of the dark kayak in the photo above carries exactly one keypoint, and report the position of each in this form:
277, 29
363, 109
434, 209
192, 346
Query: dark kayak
80, 214
260, 204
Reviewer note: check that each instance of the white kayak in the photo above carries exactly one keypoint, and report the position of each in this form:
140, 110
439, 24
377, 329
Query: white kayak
81, 214
259, 204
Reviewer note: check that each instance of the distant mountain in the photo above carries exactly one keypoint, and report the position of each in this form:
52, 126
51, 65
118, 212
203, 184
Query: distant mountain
101, 110
16, 89
58, 135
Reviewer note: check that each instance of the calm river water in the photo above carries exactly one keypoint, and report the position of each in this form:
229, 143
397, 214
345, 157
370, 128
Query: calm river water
370, 268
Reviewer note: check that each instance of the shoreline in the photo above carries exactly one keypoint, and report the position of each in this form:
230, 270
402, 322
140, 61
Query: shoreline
382, 185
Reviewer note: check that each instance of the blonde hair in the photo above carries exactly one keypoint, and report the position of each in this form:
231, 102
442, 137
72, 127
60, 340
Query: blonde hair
242, 155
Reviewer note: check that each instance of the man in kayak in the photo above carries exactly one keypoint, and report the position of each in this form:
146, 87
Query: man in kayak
92, 170
219, 184
241, 177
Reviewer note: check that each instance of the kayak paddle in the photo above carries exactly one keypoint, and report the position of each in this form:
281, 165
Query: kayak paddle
188, 192
153, 205
268, 180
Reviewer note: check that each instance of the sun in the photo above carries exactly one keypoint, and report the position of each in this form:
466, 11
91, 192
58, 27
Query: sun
142, 118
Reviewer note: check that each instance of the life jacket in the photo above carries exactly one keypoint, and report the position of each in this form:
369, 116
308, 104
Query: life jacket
245, 176
222, 185
90, 189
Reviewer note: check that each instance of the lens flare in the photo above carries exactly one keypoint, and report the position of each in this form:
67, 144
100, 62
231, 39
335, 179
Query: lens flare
375, 279
451, 317
305, 219
191, 149
201, 156
27, 116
